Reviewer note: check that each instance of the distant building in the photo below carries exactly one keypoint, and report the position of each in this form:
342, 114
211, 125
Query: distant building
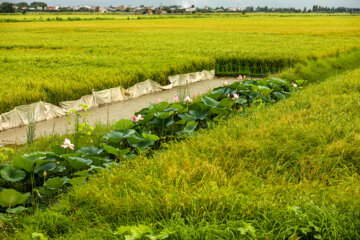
159, 11
232, 9
74, 8
49, 8
121, 8
189, 9
103, 9
149, 10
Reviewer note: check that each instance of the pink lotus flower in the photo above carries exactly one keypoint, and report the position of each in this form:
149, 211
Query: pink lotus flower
194, 95
137, 118
45, 173
226, 83
176, 99
294, 84
228, 95
235, 96
159, 100
240, 77
67, 144
188, 100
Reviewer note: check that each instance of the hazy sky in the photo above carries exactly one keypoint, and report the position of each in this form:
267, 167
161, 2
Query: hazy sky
211, 3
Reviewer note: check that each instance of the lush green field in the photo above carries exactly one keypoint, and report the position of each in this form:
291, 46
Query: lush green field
286, 171
64, 60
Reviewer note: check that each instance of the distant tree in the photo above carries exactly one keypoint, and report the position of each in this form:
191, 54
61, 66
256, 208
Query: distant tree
64, 9
22, 4
304, 9
167, 9
315, 8
6, 7
38, 4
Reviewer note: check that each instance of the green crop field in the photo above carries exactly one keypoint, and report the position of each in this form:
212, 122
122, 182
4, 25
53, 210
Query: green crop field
273, 158
58, 60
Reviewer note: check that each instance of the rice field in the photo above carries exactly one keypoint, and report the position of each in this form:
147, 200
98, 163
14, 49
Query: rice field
55, 61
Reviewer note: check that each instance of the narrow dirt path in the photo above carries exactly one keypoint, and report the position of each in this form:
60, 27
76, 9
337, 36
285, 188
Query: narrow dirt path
109, 113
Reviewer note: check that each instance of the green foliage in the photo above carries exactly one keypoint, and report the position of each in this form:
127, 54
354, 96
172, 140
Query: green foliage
141, 232
46, 174
10, 198
12, 174
287, 171
66, 60
4, 154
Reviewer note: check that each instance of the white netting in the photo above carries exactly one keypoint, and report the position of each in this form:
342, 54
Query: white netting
41, 111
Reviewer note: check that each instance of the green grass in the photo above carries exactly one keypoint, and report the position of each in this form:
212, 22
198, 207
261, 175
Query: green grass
64, 60
290, 170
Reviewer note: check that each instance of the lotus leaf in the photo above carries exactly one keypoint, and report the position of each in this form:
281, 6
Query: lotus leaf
78, 162
115, 151
49, 166
55, 182
118, 135
16, 210
164, 115
11, 197
210, 102
226, 102
198, 115
24, 163
77, 180
91, 150
218, 111
241, 100
124, 124
279, 95
150, 137
160, 107
12, 174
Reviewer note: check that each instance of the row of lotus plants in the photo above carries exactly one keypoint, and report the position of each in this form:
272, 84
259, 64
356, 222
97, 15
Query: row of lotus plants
38, 178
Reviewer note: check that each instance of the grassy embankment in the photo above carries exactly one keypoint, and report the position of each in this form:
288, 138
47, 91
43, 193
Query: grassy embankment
64, 60
288, 170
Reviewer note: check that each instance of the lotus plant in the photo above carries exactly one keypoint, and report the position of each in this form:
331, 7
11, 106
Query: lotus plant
67, 144
294, 84
240, 77
188, 99
226, 83
176, 99
159, 100
137, 118
235, 96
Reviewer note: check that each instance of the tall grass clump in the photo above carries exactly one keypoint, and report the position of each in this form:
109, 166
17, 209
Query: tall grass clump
315, 71
287, 171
